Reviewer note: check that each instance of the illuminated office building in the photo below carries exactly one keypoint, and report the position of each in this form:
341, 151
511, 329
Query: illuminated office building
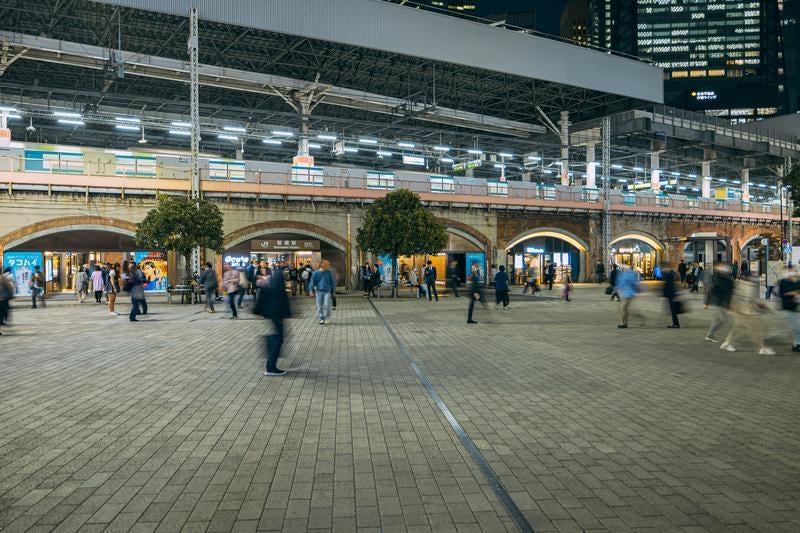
719, 56
574, 25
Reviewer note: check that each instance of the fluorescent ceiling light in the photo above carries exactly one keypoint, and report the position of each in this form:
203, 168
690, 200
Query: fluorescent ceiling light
326, 137
475, 152
228, 137
535, 158
622, 180
547, 172
615, 166
384, 154
498, 165
71, 122
127, 128
676, 173
279, 133
181, 132
271, 141
368, 141
350, 150
723, 180
638, 169
506, 155
8, 109
181, 124
737, 182
694, 176
406, 144
314, 146
236, 129
14, 116
127, 119
442, 148
66, 114
446, 160
695, 189
682, 188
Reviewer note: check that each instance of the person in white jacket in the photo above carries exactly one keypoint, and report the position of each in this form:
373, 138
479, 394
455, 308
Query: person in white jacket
746, 310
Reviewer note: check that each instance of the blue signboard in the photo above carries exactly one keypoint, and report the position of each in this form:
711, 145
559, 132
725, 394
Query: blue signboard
22, 265
480, 260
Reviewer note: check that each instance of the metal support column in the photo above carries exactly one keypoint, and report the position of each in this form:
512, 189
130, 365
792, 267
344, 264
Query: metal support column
564, 123
789, 208
606, 177
194, 87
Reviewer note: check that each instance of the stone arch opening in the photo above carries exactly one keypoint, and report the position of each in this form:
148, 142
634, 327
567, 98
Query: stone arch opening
530, 252
640, 250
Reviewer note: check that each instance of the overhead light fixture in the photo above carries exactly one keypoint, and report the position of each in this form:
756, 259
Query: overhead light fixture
368, 141
723, 180
442, 148
350, 150
737, 182
616, 166
406, 144
279, 133
184, 133
314, 146
71, 122
235, 129
446, 160
383, 153
695, 189
30, 127
547, 171
681, 188
506, 155
8, 109
126, 128
181, 124
15, 116
227, 137
66, 114
475, 152
132, 120
272, 141
142, 140
622, 180
693, 176
326, 137
638, 169
534, 158
676, 173
499, 165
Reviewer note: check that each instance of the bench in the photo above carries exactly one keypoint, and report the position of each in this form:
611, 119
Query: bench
187, 293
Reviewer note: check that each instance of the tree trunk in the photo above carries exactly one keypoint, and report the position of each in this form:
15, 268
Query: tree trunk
188, 268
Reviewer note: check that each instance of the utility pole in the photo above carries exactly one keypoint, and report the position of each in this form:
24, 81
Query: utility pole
194, 88
606, 147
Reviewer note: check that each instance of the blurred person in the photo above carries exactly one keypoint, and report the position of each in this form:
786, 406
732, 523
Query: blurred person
600, 272
746, 311
335, 281
208, 280
293, 279
244, 286
136, 283
682, 272
452, 278
273, 304
112, 288
567, 282
789, 292
550, 274
37, 286
612, 282
230, 282
501, 288
670, 292
531, 279
81, 284
475, 292
321, 287
720, 293
627, 286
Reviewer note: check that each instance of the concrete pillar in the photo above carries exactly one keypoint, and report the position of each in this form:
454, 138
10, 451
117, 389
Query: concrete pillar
706, 177
745, 184
564, 123
711, 255
590, 166
655, 172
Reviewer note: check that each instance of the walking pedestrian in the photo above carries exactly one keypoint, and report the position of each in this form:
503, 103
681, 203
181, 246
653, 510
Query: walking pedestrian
244, 286
208, 279
719, 298
627, 286
429, 274
452, 278
112, 288
81, 284
789, 291
501, 288
293, 279
531, 276
374, 281
670, 292
136, 288
335, 281
37, 286
682, 272
321, 287
230, 282
612, 282
475, 292
273, 304
567, 280
97, 283
600, 272
550, 271
746, 310
6, 294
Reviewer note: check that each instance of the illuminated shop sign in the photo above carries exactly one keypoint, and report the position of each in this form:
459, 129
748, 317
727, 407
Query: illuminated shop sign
704, 95
237, 261
284, 245
534, 250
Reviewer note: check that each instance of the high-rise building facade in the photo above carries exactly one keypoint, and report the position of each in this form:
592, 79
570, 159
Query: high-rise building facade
723, 57
574, 24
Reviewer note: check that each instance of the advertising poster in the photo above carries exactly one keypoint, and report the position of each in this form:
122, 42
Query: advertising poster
22, 265
385, 268
480, 259
154, 268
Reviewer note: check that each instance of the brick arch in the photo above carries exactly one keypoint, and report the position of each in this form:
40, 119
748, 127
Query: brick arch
254, 231
73, 223
468, 232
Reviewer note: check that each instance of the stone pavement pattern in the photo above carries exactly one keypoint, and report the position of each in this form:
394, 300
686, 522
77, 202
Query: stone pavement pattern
169, 424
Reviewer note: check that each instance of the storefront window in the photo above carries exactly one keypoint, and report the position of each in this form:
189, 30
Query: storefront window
638, 254
535, 253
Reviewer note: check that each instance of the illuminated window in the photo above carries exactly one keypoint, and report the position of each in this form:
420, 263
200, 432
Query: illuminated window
697, 74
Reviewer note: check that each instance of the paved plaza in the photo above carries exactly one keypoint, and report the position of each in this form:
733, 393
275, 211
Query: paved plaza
170, 425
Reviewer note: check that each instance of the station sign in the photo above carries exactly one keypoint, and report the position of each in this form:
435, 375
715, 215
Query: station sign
467, 165
284, 245
414, 160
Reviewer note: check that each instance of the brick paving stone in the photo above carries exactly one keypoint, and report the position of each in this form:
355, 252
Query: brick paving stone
173, 427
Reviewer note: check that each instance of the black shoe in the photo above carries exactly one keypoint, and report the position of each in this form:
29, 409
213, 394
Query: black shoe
134, 320
622, 326
673, 326
796, 348
276, 372
471, 322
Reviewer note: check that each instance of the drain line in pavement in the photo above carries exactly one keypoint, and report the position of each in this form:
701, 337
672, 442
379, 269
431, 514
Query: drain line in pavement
486, 469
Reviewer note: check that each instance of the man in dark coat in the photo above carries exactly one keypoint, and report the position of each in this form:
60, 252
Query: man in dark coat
671, 293
475, 292
273, 304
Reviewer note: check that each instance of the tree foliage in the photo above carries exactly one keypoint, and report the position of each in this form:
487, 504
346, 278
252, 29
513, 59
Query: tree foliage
177, 223
792, 180
398, 224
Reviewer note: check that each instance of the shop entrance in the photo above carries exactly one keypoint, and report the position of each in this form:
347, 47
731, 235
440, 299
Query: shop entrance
642, 257
536, 252
460, 251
